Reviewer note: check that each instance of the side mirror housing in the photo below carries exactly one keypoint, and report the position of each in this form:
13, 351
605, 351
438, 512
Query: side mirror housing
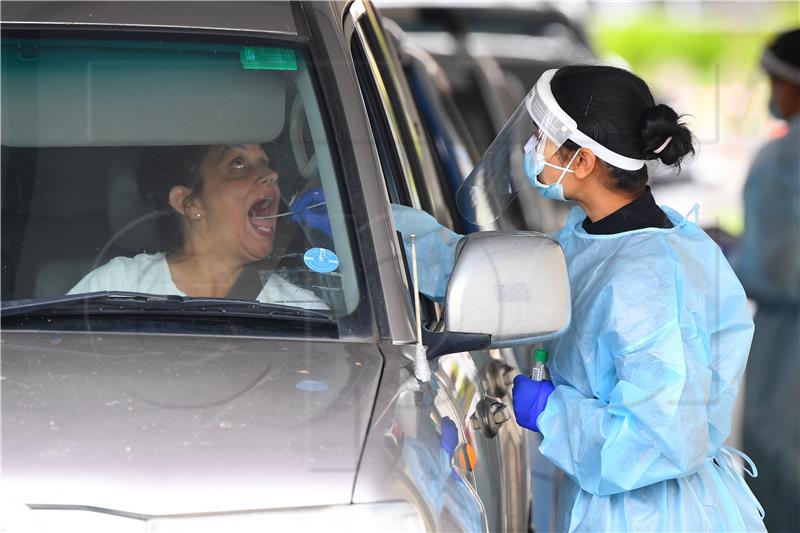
507, 289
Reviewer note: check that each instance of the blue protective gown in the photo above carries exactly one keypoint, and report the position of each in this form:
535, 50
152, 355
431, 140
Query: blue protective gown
646, 377
769, 267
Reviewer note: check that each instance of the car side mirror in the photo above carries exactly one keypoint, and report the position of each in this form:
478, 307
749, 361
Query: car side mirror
507, 289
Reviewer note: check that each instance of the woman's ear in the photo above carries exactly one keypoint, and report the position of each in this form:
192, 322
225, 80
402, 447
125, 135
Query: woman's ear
584, 163
180, 198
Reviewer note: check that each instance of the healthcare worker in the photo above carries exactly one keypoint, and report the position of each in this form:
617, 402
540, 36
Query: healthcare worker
645, 377
769, 266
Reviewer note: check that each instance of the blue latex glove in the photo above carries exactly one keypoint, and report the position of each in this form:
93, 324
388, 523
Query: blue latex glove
530, 399
307, 213
449, 437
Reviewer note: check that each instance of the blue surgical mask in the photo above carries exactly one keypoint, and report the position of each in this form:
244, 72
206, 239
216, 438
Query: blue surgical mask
554, 191
534, 164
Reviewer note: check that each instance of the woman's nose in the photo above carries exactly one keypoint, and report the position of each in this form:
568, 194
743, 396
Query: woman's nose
267, 176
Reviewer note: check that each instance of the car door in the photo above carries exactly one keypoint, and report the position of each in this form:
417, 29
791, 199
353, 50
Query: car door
500, 464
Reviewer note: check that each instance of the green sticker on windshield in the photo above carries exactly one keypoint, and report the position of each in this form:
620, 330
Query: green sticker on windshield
260, 58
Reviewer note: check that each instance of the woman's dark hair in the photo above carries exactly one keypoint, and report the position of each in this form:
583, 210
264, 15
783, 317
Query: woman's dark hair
616, 108
786, 47
162, 168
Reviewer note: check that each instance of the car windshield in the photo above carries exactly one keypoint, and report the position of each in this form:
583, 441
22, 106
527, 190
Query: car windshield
169, 168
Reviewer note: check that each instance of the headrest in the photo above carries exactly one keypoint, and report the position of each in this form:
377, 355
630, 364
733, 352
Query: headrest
132, 220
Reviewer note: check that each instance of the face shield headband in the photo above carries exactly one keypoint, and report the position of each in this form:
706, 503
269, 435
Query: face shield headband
559, 127
779, 68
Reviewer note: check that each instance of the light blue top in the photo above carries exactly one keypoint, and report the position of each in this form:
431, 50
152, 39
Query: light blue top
769, 267
768, 262
646, 378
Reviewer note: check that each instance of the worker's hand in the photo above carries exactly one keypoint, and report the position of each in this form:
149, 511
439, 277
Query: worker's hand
449, 438
530, 399
310, 211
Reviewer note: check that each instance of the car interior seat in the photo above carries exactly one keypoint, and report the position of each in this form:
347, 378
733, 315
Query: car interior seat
125, 225
65, 219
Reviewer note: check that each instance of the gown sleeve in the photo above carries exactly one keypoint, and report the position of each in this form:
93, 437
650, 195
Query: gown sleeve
436, 249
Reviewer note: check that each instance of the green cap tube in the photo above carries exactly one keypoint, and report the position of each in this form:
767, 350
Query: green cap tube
540, 355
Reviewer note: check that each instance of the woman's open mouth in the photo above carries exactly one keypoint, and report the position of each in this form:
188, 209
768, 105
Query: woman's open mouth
261, 216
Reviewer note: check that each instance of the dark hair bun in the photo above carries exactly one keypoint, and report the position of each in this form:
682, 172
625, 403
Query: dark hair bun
660, 123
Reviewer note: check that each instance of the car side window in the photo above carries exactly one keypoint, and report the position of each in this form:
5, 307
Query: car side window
385, 119
382, 74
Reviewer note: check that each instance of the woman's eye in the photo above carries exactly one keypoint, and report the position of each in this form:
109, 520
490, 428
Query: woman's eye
237, 163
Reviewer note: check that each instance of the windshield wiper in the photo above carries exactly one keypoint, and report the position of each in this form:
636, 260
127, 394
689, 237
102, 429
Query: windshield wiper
120, 302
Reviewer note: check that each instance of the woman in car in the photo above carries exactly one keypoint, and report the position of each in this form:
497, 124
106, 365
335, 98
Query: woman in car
219, 206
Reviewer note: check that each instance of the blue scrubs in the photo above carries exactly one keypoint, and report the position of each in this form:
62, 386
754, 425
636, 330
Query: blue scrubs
646, 378
769, 267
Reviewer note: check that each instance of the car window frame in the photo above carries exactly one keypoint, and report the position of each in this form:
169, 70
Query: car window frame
383, 113
422, 179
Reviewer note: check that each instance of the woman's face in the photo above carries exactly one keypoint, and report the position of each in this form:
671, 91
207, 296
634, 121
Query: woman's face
785, 96
239, 186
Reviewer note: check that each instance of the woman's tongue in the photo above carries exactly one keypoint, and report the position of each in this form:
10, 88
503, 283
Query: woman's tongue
257, 213
261, 208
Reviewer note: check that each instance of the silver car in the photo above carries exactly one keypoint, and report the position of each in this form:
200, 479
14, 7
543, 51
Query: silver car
149, 410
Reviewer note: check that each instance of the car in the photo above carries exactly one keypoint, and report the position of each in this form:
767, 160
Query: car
131, 410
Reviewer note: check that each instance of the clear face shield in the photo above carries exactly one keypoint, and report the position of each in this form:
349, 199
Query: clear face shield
519, 153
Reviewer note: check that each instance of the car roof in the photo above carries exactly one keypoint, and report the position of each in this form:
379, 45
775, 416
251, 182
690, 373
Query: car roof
277, 18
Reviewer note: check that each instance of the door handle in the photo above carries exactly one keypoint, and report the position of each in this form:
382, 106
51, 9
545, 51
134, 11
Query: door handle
498, 378
489, 415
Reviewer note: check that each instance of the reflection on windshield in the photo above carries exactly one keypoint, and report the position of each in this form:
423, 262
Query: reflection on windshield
164, 168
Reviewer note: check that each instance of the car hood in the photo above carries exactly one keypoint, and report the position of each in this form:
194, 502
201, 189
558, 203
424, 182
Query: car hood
157, 425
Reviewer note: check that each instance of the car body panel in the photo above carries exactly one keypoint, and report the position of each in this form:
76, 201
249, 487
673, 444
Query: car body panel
403, 456
262, 17
157, 424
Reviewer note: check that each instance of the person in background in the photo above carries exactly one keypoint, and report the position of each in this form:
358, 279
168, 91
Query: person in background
768, 265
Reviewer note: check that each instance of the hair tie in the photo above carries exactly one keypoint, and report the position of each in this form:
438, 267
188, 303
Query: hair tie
661, 148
